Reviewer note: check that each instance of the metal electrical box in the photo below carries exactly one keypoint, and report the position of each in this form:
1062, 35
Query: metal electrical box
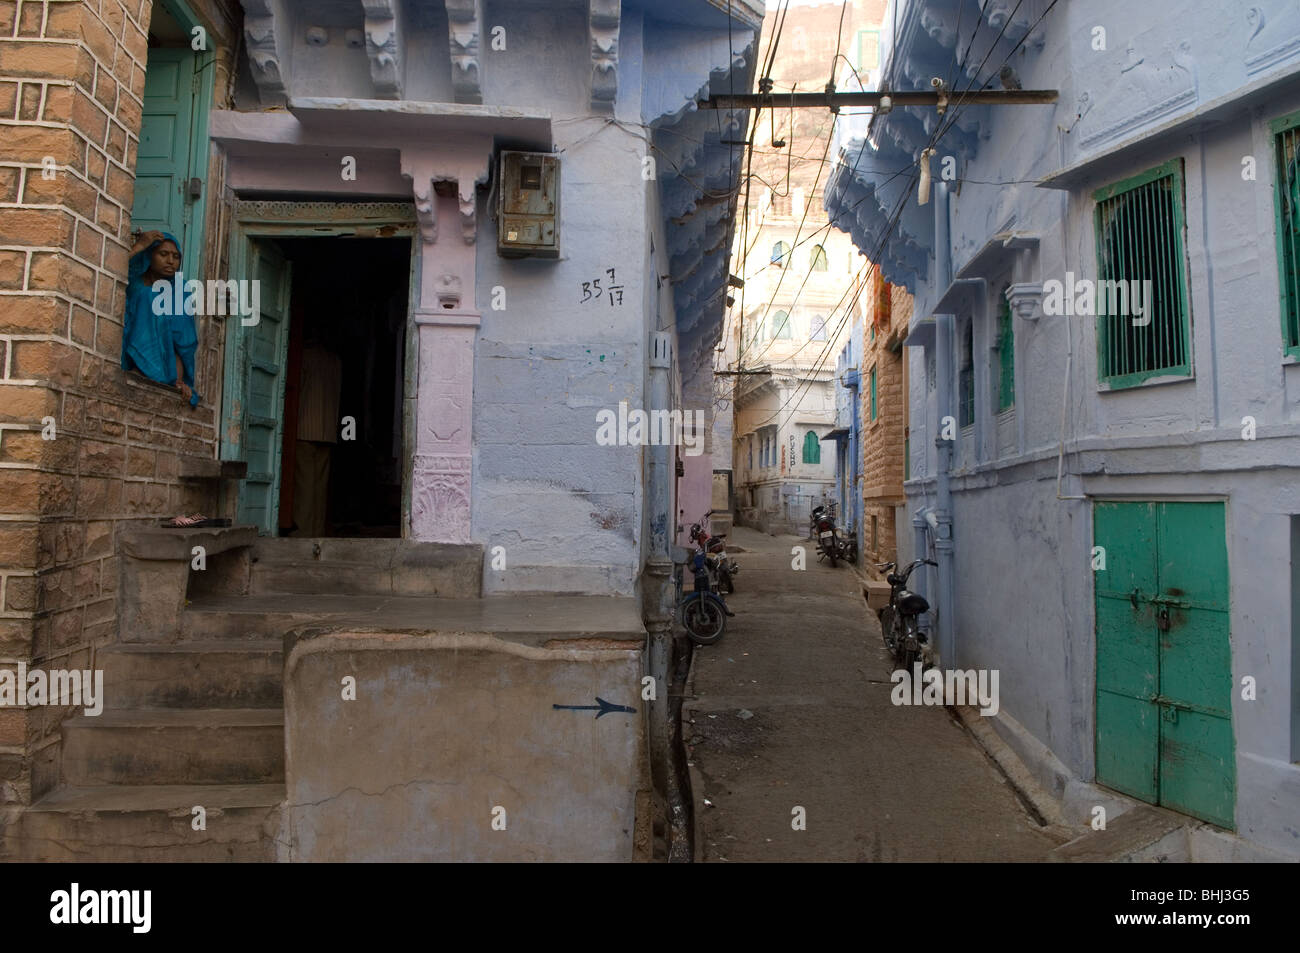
528, 205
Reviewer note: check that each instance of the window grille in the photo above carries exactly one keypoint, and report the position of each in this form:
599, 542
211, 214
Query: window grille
1140, 239
1286, 138
1006, 357
966, 407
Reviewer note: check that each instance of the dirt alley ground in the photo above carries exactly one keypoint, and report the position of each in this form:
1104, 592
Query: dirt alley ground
792, 709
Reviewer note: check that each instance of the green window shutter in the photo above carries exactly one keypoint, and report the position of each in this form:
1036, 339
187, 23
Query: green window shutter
1286, 202
812, 448
1139, 225
873, 393
966, 382
1006, 358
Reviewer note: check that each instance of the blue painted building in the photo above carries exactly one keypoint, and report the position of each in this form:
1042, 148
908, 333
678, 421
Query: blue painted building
1107, 474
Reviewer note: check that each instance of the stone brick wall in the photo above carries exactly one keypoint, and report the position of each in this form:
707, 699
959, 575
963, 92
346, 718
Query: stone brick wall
889, 309
85, 448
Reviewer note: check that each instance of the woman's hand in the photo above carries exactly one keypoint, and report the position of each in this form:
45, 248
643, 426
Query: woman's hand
180, 379
146, 239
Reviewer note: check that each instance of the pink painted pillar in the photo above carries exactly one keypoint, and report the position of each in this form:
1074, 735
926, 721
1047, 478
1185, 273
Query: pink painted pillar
447, 324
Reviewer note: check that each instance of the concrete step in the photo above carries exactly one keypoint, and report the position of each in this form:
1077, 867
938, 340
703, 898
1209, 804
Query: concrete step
1140, 834
116, 823
202, 624
198, 674
176, 746
362, 566
308, 578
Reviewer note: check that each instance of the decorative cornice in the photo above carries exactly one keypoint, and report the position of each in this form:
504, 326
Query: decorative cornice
286, 211
384, 41
465, 29
1274, 36
604, 24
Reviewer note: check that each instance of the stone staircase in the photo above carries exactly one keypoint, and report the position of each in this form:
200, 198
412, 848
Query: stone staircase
193, 711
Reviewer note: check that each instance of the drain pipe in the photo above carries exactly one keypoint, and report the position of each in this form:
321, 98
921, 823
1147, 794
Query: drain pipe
945, 340
657, 593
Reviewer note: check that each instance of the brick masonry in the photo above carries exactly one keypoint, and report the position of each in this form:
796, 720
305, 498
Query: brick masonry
72, 76
888, 309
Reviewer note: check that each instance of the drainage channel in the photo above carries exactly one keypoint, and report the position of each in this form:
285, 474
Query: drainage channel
681, 803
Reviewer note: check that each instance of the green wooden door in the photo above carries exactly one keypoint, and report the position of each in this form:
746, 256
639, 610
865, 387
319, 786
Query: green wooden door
259, 391
163, 166
1164, 674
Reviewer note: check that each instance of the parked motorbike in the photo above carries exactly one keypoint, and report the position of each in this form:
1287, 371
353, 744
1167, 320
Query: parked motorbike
704, 611
832, 542
899, 621
724, 567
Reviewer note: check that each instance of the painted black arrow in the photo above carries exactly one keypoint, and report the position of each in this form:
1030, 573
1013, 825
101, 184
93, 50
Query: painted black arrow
601, 707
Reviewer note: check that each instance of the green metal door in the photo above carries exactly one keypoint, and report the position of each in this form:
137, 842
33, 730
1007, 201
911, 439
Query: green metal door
258, 406
1164, 674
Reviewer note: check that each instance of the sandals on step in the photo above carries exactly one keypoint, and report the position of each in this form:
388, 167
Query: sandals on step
197, 521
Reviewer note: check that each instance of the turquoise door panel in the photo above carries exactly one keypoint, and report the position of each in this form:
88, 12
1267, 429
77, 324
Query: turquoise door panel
1164, 662
1197, 770
1128, 748
1193, 556
259, 410
163, 163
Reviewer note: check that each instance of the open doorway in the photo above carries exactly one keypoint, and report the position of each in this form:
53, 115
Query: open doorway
340, 468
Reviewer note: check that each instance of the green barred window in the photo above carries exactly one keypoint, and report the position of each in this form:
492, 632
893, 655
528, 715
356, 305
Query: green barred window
966, 377
1140, 239
1006, 357
1286, 137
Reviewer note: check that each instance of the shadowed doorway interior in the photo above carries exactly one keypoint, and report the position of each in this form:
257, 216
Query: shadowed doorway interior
341, 455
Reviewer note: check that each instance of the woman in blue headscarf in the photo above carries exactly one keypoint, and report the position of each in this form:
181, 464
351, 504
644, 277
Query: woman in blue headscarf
158, 336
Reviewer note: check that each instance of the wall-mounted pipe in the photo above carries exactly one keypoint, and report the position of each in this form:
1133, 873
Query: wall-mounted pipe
945, 340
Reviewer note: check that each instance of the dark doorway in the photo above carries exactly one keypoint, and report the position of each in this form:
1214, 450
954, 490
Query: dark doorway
341, 456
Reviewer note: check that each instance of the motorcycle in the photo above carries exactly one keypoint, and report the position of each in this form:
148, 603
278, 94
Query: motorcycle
899, 621
704, 611
832, 542
725, 568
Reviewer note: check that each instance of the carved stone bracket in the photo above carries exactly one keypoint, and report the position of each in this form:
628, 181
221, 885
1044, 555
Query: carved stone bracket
420, 175
466, 171
1026, 299
384, 40
264, 28
604, 23
465, 29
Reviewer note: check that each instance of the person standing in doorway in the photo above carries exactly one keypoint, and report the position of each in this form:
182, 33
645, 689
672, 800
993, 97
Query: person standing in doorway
319, 387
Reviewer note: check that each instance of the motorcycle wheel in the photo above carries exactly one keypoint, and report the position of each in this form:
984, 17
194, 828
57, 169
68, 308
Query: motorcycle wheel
830, 554
908, 657
704, 621
886, 629
725, 583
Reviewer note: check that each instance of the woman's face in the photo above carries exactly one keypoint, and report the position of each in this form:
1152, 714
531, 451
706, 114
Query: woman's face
166, 259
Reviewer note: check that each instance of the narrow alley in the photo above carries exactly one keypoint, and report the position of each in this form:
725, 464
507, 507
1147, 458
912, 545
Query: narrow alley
792, 709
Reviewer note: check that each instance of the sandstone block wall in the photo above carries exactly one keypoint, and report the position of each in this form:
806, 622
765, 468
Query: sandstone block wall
72, 75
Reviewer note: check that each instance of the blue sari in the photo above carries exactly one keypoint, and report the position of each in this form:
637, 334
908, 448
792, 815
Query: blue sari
150, 341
